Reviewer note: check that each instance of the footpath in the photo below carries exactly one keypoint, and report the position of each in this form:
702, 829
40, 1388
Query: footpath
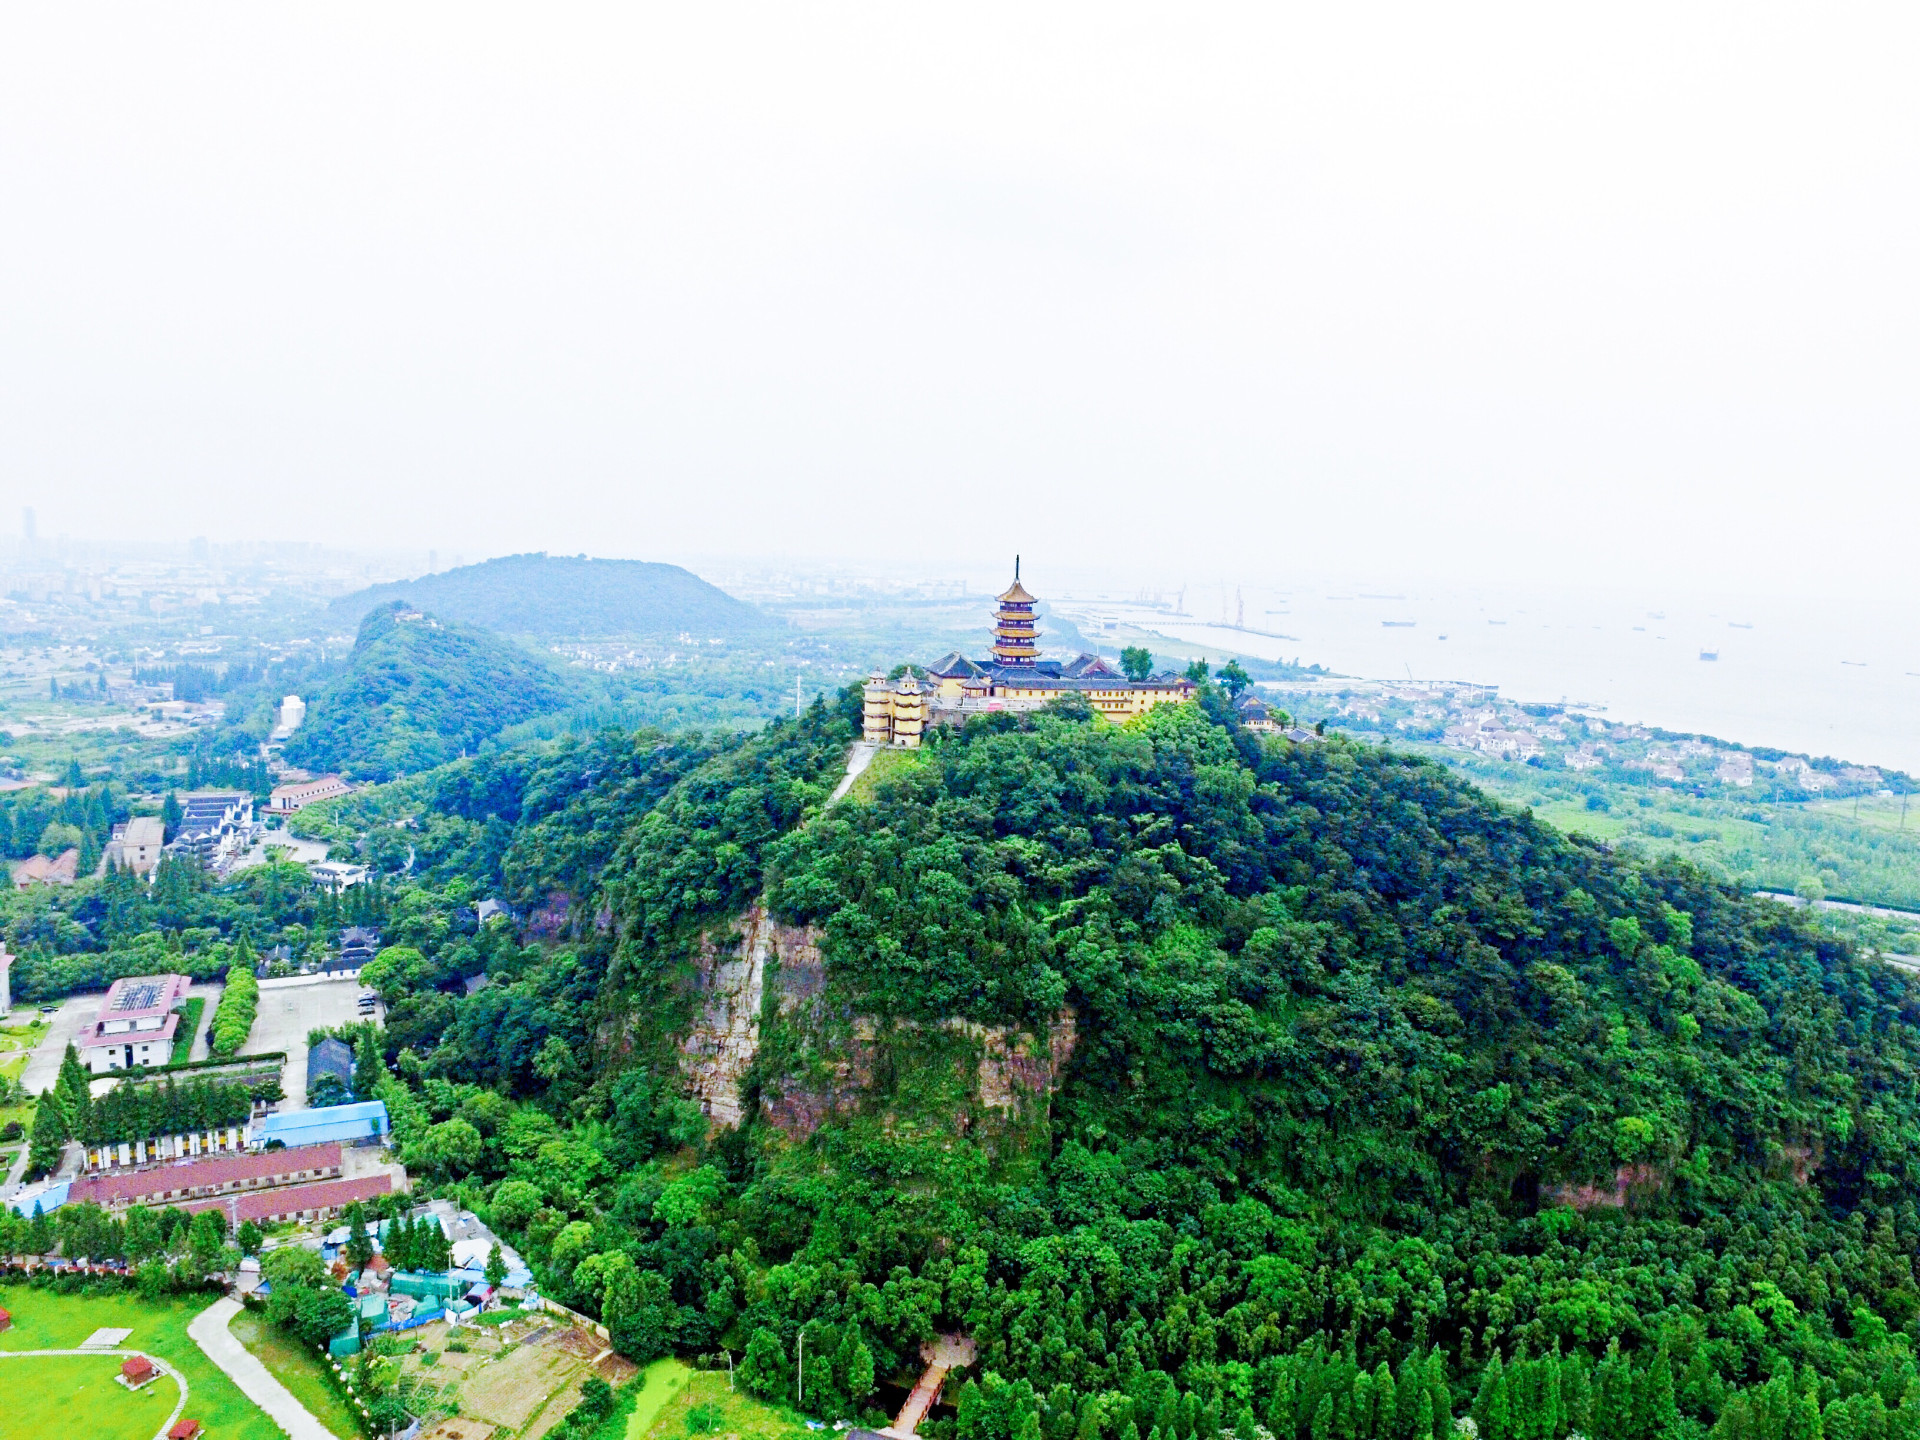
209, 1331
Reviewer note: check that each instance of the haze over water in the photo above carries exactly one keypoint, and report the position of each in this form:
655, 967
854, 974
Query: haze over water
1824, 677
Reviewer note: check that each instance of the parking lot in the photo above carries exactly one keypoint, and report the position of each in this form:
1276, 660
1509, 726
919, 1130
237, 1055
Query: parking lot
76, 1012
288, 1010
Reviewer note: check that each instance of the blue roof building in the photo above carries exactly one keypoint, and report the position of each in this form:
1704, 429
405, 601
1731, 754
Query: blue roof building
49, 1197
348, 1124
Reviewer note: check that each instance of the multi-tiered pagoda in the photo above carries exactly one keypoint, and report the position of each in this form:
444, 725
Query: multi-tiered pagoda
897, 712
1015, 640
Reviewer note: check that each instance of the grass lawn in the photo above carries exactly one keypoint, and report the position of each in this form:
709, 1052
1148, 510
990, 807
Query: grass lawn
679, 1390
886, 765
299, 1369
652, 1389
43, 1320
46, 1393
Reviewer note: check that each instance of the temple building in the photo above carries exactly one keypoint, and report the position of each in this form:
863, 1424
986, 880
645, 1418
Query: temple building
948, 692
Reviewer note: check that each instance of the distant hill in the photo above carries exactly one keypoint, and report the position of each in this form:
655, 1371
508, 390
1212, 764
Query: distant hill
419, 691
570, 595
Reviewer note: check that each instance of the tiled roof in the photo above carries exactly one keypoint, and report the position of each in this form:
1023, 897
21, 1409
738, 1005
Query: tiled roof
181, 1179
259, 1205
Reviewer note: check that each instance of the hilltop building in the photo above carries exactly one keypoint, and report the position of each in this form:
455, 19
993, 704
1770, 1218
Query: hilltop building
898, 712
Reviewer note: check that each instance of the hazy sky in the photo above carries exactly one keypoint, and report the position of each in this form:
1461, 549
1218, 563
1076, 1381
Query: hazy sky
1522, 292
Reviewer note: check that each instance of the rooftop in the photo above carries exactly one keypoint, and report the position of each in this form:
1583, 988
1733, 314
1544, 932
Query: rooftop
292, 1199
362, 1119
135, 1186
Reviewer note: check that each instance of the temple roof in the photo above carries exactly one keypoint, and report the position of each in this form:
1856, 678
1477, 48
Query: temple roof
953, 664
1015, 594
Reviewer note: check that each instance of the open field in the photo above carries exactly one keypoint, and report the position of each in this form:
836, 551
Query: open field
47, 1393
300, 1370
740, 1413
659, 1383
43, 1320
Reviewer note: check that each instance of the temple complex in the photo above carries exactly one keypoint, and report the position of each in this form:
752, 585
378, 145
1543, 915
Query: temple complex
948, 692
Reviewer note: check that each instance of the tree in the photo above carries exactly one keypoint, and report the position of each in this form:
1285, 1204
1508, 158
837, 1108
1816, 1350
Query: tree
1136, 662
249, 1237
1197, 672
171, 814
858, 1376
369, 1065
765, 1371
359, 1249
205, 1236
496, 1266
1235, 678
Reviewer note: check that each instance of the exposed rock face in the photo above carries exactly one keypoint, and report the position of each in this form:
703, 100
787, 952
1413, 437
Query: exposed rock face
997, 1071
732, 980
1626, 1180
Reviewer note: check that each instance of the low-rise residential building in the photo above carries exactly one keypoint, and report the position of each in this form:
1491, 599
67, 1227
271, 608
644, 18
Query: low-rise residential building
46, 869
136, 844
304, 1204
136, 1024
289, 798
217, 1175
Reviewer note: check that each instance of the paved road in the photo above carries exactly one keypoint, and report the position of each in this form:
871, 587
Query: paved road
76, 1012
210, 1333
43, 1066
288, 1010
210, 992
154, 1360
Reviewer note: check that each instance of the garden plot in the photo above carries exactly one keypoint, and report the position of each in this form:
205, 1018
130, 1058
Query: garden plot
522, 1377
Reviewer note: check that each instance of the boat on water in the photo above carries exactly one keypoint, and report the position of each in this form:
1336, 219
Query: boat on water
1399, 624
1709, 654
1496, 622
1739, 624
1861, 663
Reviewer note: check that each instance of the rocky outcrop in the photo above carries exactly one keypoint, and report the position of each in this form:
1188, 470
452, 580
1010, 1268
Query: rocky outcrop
1627, 1179
731, 975
763, 971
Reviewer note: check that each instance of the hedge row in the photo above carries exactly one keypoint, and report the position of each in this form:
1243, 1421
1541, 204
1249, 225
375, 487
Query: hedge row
233, 1021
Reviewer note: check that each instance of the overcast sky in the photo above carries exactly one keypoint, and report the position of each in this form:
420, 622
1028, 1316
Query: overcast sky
1454, 291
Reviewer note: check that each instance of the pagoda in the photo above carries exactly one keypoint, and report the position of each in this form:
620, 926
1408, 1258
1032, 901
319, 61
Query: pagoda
1015, 641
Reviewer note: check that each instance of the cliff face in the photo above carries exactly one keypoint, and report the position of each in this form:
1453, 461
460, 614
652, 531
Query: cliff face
732, 981
762, 1009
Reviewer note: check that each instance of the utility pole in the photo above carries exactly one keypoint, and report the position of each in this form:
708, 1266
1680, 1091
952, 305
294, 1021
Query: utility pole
800, 1365
798, 707
729, 1369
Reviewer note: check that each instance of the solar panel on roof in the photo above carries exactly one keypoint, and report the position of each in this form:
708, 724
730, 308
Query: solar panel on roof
142, 995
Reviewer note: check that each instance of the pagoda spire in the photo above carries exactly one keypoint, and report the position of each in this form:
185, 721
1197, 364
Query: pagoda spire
1015, 640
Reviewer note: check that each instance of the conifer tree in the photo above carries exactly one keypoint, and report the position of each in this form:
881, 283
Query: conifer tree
1491, 1409
1662, 1413
1613, 1397
1386, 1404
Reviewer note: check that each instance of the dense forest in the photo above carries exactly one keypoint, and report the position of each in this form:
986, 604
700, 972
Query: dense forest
1350, 1101
569, 595
417, 692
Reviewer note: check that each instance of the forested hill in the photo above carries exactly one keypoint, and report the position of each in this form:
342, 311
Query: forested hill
418, 691
1372, 1081
1212, 1084
571, 595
